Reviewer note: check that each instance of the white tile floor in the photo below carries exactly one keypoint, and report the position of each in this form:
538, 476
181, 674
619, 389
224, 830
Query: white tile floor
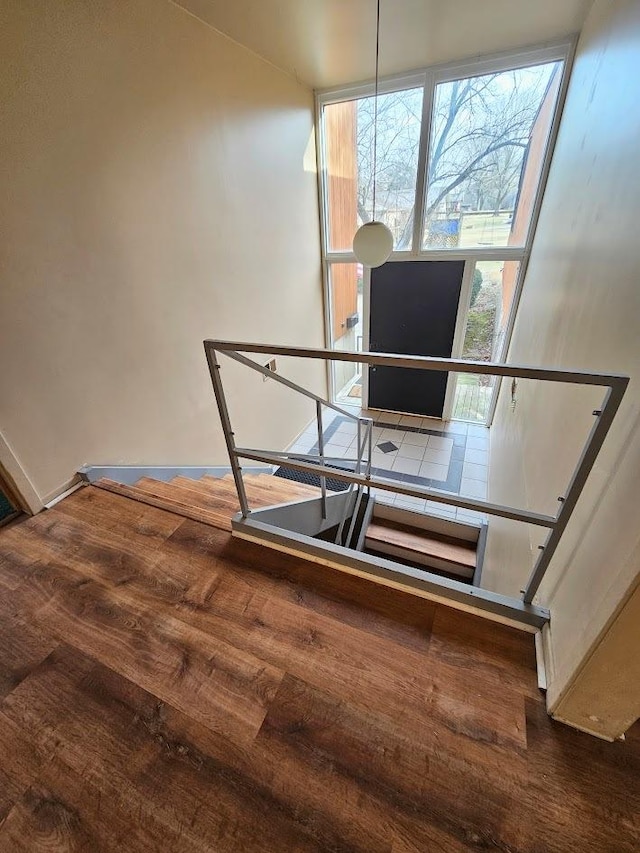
418, 454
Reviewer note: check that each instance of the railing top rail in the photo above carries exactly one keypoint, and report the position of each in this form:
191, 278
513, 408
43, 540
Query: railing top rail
517, 371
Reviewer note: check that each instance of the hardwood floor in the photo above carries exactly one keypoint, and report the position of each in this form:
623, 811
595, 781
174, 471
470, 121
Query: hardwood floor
164, 687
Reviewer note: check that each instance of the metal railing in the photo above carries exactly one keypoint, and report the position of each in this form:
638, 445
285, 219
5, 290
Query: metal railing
354, 495
615, 385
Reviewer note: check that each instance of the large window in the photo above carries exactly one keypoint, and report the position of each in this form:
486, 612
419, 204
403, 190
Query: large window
482, 131
461, 153
349, 160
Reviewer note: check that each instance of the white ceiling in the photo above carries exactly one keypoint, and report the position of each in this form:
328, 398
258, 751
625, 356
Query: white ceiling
331, 42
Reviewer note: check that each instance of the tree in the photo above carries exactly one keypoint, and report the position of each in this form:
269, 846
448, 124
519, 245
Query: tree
398, 131
480, 132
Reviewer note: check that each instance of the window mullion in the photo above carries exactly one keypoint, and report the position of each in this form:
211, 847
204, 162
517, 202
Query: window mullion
423, 159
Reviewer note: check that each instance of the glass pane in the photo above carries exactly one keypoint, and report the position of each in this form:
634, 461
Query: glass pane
345, 294
488, 140
348, 128
491, 297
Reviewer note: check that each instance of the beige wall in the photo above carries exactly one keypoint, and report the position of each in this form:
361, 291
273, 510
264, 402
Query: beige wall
605, 697
157, 188
581, 309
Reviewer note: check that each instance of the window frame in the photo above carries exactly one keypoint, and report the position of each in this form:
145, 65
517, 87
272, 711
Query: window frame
561, 50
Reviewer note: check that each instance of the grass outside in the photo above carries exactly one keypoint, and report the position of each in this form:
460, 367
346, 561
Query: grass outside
485, 229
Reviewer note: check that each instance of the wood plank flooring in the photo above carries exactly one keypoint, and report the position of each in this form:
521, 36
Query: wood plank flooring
164, 687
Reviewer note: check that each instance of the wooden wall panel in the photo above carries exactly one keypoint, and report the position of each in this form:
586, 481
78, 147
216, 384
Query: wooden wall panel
340, 129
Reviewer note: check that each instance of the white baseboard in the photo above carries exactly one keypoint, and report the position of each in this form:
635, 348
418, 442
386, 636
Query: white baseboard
64, 495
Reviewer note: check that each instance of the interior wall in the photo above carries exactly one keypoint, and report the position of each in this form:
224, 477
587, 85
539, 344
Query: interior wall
158, 188
581, 309
605, 698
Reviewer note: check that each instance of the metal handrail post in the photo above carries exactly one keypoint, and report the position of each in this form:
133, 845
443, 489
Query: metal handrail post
236, 468
354, 515
323, 480
358, 499
343, 520
369, 440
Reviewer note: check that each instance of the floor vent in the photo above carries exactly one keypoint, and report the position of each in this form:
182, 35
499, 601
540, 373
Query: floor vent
312, 479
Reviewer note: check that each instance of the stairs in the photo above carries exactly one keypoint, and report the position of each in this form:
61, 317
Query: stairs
210, 500
448, 555
447, 548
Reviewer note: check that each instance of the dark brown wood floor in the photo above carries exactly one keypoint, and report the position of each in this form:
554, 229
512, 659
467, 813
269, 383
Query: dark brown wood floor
166, 688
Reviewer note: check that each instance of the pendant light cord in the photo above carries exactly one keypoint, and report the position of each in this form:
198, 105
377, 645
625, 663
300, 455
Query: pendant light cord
375, 114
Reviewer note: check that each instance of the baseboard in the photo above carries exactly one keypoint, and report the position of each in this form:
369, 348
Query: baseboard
65, 494
540, 662
61, 490
130, 474
587, 731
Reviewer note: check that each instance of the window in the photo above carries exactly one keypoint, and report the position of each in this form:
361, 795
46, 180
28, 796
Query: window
484, 131
492, 289
348, 129
345, 308
461, 153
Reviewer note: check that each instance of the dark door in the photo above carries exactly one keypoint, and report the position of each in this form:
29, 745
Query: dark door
413, 308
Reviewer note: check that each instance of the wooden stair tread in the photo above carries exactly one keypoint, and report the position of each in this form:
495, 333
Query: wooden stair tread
265, 481
221, 519
218, 500
209, 500
258, 492
421, 542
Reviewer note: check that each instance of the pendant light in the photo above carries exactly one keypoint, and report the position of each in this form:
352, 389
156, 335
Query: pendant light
373, 242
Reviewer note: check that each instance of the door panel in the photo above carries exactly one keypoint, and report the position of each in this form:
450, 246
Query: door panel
413, 310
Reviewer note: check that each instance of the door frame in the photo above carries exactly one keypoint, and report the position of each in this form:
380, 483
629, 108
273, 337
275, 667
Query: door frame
458, 334
19, 487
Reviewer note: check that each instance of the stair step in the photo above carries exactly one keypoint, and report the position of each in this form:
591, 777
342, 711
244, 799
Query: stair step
282, 482
257, 493
278, 490
272, 482
210, 500
422, 546
220, 519
184, 494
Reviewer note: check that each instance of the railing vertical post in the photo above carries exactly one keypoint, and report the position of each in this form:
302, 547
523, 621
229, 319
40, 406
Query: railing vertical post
323, 480
360, 448
369, 453
236, 469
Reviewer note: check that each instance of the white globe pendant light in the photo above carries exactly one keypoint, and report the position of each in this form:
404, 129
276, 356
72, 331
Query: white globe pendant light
373, 242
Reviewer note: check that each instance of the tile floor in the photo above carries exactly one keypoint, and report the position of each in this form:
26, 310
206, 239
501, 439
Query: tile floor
449, 456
